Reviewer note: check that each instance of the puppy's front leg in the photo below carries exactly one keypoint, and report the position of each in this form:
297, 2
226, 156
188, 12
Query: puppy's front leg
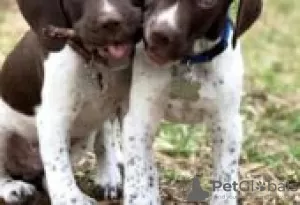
108, 176
226, 126
147, 101
61, 102
227, 134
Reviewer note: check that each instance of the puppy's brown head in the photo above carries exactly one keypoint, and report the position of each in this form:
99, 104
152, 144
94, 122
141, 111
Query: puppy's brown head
109, 26
172, 26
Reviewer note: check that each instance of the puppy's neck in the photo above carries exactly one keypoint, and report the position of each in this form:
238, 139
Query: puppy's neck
201, 45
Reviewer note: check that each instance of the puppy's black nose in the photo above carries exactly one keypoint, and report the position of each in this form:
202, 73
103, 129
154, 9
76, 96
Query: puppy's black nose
160, 38
111, 23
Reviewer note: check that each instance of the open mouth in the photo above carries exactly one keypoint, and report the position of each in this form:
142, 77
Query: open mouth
115, 51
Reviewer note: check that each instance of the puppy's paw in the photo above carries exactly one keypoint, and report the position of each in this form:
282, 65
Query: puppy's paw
108, 192
16, 192
74, 199
109, 182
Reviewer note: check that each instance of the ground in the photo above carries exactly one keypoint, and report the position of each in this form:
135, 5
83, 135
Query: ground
271, 111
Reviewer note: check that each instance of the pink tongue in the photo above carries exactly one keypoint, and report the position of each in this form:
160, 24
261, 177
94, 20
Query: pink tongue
118, 51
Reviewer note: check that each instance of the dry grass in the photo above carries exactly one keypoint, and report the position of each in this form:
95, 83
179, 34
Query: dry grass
12, 26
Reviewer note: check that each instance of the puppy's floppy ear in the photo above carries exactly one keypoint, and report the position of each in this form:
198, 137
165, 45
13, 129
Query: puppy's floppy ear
41, 13
248, 12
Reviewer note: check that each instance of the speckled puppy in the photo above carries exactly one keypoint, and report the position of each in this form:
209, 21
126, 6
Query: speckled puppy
195, 37
48, 88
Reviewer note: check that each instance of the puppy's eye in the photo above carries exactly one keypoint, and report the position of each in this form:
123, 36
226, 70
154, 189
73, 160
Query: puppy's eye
206, 4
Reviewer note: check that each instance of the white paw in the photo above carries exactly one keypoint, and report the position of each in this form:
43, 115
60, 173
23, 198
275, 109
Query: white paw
73, 199
16, 191
137, 198
109, 182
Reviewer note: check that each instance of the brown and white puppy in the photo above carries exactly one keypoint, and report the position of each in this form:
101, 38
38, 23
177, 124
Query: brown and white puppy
48, 89
176, 30
172, 27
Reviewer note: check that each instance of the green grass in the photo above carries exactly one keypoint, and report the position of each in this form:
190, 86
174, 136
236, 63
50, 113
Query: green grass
178, 140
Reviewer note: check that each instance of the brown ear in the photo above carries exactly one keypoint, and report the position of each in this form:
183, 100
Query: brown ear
248, 12
41, 13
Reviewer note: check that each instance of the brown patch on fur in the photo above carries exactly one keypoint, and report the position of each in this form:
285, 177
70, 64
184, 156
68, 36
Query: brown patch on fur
23, 158
22, 75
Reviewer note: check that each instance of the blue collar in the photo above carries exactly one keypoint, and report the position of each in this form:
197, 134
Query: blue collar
209, 55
